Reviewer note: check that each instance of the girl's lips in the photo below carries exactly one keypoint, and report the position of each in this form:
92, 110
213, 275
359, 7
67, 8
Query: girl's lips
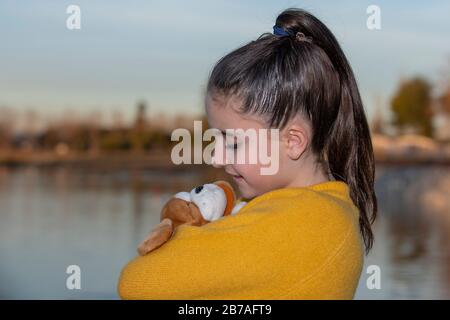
237, 177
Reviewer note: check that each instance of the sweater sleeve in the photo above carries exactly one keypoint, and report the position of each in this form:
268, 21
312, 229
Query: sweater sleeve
256, 255
212, 261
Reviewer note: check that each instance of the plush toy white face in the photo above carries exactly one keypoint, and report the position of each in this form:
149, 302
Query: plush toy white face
209, 198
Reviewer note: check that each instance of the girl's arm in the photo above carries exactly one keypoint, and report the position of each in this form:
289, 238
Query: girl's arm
256, 255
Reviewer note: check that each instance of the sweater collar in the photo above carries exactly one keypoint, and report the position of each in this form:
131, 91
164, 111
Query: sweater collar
336, 188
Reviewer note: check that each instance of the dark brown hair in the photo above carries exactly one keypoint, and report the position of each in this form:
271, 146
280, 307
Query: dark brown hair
306, 72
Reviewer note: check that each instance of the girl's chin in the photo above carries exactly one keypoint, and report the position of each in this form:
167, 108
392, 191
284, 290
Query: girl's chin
245, 192
244, 189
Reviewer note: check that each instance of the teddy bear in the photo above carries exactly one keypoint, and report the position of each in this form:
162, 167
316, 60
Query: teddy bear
203, 204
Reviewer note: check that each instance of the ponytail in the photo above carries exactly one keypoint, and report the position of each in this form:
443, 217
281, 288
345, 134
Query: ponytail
349, 151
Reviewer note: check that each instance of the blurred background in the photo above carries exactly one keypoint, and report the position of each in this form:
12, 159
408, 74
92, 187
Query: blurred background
86, 117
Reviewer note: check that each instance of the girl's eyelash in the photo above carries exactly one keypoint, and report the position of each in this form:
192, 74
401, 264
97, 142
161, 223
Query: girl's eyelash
233, 146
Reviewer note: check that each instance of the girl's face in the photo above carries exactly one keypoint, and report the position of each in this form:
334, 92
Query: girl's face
222, 114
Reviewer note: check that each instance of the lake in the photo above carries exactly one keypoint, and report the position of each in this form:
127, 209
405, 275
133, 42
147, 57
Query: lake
53, 218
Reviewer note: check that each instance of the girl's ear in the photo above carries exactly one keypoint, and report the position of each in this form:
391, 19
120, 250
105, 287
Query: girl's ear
297, 140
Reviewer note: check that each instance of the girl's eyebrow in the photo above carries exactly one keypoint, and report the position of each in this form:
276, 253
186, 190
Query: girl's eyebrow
225, 133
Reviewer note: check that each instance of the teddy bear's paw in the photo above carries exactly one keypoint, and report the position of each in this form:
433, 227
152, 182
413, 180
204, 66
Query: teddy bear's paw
238, 207
157, 237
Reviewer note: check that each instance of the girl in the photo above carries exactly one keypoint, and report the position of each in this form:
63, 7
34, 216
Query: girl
303, 232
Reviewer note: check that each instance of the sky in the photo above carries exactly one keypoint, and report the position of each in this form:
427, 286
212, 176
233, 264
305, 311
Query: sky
162, 51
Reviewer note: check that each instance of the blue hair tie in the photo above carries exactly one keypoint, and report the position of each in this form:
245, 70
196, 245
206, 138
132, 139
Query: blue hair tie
279, 31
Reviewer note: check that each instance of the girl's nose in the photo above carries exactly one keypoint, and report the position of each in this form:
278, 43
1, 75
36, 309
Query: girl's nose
216, 163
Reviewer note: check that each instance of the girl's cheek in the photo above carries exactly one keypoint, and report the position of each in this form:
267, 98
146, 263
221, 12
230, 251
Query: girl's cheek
250, 172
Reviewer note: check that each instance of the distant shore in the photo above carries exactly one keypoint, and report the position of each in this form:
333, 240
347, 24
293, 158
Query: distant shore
159, 160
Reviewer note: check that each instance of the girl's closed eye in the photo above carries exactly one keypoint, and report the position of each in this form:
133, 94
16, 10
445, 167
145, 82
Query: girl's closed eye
233, 146
232, 142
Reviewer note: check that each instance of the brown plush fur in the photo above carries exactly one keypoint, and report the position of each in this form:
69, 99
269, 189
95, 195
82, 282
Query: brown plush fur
177, 212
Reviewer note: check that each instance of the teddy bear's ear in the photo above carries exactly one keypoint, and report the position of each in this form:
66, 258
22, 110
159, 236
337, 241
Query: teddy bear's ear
230, 194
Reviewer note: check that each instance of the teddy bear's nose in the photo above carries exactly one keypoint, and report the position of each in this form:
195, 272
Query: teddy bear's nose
198, 189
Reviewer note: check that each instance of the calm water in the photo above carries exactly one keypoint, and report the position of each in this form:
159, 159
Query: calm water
50, 219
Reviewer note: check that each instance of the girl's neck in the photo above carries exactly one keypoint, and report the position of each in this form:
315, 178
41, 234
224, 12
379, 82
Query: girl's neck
310, 174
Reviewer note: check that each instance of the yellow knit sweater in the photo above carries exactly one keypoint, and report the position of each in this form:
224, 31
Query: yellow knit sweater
292, 243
